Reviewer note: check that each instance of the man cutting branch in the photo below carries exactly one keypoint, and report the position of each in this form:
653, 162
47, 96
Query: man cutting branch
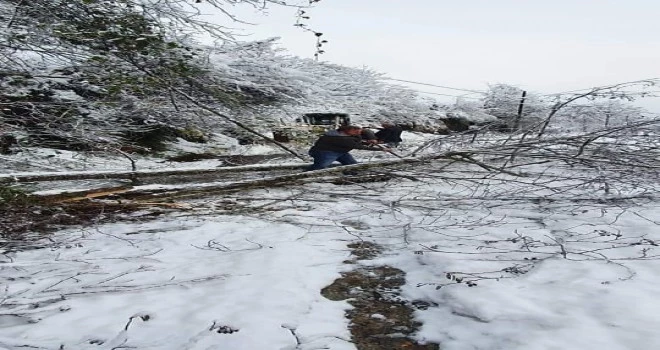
335, 145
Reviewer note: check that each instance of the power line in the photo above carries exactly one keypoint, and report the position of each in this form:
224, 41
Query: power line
483, 92
604, 86
434, 85
439, 94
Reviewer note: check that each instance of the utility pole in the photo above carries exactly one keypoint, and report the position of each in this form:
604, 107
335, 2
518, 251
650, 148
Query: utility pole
516, 124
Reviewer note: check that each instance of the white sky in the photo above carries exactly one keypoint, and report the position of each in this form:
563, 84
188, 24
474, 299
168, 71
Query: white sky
541, 46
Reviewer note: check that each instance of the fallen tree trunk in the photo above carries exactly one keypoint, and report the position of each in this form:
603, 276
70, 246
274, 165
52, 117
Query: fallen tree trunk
201, 190
136, 193
133, 175
74, 196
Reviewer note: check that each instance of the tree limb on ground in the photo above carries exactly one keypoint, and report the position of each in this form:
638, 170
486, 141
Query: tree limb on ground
91, 175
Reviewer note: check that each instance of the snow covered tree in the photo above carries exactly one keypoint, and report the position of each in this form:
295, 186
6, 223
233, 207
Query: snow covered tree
87, 56
504, 102
114, 72
627, 91
597, 115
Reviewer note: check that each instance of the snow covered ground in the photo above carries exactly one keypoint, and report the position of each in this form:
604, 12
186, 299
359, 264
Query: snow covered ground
254, 276
501, 267
32, 159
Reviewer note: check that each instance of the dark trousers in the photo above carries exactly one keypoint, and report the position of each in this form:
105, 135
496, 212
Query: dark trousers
323, 159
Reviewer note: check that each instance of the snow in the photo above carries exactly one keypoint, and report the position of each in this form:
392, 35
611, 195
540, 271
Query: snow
171, 272
184, 146
575, 303
560, 274
260, 149
38, 160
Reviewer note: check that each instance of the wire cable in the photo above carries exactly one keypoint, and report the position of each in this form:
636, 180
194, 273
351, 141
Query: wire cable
439, 94
434, 85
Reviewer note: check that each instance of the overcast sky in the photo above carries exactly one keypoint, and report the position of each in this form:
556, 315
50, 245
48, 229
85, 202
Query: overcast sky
538, 45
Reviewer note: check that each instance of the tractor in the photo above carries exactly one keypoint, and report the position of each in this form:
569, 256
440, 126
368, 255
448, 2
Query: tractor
309, 127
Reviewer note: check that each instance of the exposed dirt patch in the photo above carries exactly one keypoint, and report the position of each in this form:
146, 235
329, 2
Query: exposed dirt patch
192, 157
22, 226
239, 159
380, 319
364, 250
230, 160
